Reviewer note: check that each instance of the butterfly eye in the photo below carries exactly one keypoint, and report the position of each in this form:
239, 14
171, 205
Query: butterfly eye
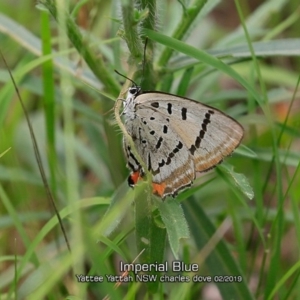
134, 90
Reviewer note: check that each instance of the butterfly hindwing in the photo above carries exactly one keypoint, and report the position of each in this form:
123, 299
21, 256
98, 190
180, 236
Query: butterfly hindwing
162, 151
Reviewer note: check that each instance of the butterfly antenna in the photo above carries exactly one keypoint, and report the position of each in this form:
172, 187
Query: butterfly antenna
144, 62
144, 59
126, 78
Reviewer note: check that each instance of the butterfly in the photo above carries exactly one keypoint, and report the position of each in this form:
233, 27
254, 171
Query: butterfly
176, 138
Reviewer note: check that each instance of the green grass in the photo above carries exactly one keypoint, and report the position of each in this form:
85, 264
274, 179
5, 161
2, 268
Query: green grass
240, 219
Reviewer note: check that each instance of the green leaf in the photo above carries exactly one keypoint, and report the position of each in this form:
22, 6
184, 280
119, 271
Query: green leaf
240, 180
219, 261
5, 151
175, 222
33, 44
150, 238
284, 47
185, 82
245, 151
203, 57
286, 157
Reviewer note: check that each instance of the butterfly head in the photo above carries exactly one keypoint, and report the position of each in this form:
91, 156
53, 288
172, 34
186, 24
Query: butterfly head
129, 103
134, 91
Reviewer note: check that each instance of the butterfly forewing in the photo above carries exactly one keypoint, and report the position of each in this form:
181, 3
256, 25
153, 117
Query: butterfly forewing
177, 137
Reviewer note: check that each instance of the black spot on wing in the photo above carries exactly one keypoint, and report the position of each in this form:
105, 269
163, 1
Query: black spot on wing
193, 149
155, 172
162, 163
169, 158
165, 129
169, 108
155, 104
130, 181
172, 154
183, 113
149, 162
152, 132
135, 160
130, 165
159, 142
201, 134
202, 131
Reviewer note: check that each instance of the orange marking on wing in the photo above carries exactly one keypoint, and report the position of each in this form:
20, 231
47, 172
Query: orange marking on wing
159, 189
135, 176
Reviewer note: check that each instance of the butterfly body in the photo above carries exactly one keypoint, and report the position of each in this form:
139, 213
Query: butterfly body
175, 137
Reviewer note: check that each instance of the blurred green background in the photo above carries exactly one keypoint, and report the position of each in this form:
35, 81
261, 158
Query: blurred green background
63, 56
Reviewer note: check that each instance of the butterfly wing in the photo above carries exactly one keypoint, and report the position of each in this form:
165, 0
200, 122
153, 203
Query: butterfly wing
177, 137
162, 151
